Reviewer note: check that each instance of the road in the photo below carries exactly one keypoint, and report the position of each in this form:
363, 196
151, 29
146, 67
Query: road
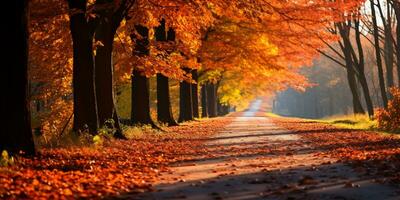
258, 160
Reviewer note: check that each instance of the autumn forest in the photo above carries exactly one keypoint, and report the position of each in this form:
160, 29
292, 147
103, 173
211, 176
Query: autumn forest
201, 99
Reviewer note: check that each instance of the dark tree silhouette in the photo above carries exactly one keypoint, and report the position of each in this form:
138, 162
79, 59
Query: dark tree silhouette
185, 100
140, 113
16, 133
82, 30
164, 110
195, 94
212, 100
204, 110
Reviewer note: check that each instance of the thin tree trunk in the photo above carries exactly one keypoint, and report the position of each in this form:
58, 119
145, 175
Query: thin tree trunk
350, 67
212, 100
185, 101
204, 110
378, 56
361, 71
16, 133
397, 12
85, 109
195, 94
388, 45
164, 110
357, 107
389, 60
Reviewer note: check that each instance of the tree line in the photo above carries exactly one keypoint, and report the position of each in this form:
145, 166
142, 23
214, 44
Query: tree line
229, 52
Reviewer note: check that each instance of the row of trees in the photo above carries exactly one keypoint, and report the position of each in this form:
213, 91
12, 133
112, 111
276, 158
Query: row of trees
371, 26
79, 50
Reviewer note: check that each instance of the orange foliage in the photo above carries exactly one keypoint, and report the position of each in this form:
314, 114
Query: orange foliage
50, 61
389, 118
263, 41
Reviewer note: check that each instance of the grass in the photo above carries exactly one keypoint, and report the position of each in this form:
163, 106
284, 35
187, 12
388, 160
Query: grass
357, 122
270, 114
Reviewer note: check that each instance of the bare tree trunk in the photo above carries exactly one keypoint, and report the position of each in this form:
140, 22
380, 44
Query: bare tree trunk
388, 46
361, 70
16, 133
396, 6
350, 67
378, 55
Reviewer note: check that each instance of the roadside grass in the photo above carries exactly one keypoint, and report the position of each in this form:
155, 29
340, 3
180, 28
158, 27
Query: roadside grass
359, 122
356, 122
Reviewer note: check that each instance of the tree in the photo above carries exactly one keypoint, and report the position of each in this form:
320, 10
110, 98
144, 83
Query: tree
347, 49
140, 114
378, 55
85, 107
195, 93
110, 20
16, 135
185, 100
204, 109
164, 110
388, 42
396, 6
212, 100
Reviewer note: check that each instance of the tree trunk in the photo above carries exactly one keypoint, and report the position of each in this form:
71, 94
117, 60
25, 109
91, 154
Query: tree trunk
361, 71
225, 109
396, 6
350, 67
16, 133
85, 109
212, 100
389, 59
195, 94
185, 101
388, 46
378, 56
204, 110
357, 107
140, 114
104, 74
164, 110
222, 109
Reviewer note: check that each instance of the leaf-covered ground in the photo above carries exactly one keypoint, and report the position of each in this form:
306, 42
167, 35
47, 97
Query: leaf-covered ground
107, 170
256, 157
242, 156
369, 152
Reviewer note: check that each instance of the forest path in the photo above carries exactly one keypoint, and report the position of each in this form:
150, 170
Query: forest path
254, 159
